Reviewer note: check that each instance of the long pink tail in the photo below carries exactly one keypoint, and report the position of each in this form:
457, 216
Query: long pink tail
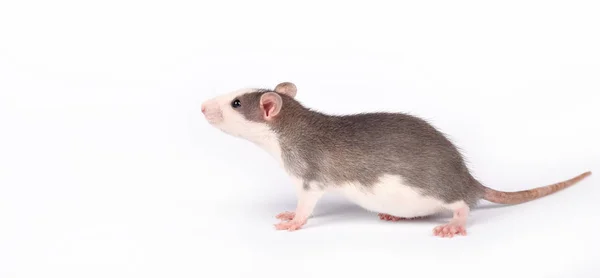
511, 198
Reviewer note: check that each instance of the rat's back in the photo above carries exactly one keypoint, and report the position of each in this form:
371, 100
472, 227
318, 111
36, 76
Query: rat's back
365, 148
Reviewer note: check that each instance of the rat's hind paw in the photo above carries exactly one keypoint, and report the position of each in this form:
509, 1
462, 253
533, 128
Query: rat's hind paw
387, 217
450, 229
286, 216
290, 225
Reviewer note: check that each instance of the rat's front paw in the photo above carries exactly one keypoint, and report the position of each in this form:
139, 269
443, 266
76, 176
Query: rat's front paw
286, 216
290, 225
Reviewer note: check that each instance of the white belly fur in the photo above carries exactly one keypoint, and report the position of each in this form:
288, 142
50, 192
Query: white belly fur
390, 195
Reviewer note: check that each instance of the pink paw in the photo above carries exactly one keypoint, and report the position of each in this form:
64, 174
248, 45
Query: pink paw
290, 225
387, 217
286, 216
449, 230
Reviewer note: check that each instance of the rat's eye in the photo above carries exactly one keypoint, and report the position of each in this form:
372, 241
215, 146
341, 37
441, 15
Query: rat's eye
236, 103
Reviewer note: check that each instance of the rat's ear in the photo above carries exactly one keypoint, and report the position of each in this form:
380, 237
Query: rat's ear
270, 105
286, 88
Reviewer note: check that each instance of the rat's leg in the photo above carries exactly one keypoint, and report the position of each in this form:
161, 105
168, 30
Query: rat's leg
458, 223
289, 215
307, 200
387, 217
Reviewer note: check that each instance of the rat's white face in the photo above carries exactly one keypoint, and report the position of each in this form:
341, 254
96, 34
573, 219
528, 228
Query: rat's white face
220, 113
245, 113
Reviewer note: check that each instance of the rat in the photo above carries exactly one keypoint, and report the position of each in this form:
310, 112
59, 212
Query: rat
394, 164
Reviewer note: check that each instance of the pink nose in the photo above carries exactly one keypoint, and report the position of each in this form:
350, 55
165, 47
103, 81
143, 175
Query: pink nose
203, 108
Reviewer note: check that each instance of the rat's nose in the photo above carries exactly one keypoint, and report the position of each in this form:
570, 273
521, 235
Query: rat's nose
203, 108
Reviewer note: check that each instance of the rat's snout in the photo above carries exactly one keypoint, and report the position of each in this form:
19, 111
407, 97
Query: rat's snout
212, 111
205, 106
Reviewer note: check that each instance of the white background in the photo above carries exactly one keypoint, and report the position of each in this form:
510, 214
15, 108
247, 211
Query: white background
108, 169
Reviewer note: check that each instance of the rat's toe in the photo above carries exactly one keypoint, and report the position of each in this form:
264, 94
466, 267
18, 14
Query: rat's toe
290, 225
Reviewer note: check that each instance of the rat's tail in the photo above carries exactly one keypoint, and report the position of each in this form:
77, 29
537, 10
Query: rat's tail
512, 198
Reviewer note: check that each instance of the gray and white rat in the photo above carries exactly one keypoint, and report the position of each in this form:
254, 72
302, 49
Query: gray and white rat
394, 164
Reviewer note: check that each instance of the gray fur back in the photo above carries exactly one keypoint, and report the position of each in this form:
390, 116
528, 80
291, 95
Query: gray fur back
332, 149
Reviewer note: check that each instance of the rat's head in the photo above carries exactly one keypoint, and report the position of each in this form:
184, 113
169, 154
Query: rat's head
247, 113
